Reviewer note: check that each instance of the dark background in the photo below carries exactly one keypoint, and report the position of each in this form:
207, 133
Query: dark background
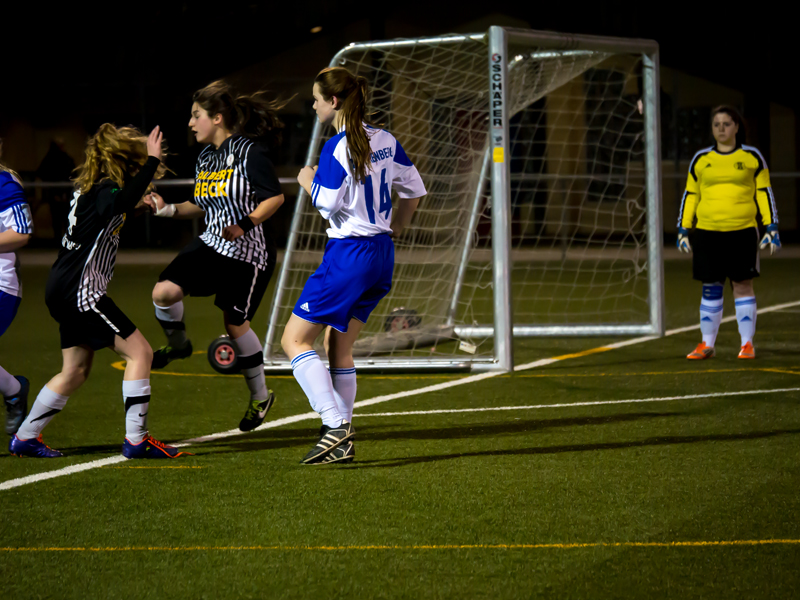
139, 63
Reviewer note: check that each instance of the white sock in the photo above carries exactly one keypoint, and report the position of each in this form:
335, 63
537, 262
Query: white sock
47, 405
711, 312
251, 359
9, 385
315, 380
136, 395
746, 317
344, 390
171, 320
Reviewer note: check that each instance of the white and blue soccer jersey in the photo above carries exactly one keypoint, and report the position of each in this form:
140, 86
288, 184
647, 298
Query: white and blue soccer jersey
363, 209
15, 214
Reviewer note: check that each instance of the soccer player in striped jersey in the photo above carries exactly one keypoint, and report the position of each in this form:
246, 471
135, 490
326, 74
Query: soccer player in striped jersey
727, 187
16, 227
237, 191
352, 188
120, 164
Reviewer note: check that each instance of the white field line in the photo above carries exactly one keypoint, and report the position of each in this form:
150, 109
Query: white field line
13, 483
572, 404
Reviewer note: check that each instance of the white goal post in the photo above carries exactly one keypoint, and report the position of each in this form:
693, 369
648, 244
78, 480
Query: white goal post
541, 155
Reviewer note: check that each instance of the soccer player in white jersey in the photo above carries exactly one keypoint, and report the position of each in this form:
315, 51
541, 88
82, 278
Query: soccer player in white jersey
120, 164
16, 227
237, 191
352, 188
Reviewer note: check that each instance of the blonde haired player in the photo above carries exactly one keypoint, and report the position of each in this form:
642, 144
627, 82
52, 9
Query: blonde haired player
120, 164
728, 185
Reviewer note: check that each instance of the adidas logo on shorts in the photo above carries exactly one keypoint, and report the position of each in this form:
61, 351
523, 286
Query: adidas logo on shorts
304, 306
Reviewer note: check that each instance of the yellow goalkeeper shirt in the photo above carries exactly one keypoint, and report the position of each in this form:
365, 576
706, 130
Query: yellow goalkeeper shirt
724, 189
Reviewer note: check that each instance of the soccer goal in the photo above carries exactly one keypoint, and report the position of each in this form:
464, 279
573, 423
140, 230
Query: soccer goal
540, 154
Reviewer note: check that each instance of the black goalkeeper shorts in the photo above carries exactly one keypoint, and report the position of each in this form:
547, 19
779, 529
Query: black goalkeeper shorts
721, 255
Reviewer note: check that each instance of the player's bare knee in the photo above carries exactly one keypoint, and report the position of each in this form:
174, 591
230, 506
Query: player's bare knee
76, 375
166, 293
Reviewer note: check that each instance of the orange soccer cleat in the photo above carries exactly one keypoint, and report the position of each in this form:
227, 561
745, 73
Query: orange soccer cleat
747, 351
701, 352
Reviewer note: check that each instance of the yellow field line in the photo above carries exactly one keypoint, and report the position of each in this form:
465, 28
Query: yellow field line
774, 370
120, 365
686, 544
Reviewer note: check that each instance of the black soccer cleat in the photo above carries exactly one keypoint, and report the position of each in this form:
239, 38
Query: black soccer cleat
256, 411
17, 406
344, 454
330, 439
166, 354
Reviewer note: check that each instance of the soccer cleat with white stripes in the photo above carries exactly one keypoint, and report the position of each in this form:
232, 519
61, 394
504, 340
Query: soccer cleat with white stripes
330, 439
343, 454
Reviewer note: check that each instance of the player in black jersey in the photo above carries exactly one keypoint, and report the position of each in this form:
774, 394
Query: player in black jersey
237, 191
120, 164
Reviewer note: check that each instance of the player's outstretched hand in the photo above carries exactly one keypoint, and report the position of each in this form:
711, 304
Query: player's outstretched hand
683, 240
771, 239
158, 206
154, 142
231, 232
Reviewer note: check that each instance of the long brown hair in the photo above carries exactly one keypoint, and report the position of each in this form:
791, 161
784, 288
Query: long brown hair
736, 117
253, 116
114, 153
352, 92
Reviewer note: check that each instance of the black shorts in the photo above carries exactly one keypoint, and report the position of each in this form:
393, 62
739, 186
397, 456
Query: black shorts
95, 328
721, 255
237, 285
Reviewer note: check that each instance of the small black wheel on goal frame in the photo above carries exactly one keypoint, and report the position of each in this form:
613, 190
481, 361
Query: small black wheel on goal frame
223, 356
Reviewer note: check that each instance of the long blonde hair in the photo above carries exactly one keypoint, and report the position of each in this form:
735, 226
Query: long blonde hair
114, 153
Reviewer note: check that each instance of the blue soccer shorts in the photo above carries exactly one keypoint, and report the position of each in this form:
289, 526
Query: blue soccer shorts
8, 310
355, 274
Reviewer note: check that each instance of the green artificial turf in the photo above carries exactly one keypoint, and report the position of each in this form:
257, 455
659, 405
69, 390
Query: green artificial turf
528, 502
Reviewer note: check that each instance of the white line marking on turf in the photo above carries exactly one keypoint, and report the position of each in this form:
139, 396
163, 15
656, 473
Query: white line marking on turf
13, 483
571, 404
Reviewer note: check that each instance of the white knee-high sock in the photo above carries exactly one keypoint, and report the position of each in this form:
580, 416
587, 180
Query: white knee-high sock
344, 390
136, 395
711, 312
251, 359
315, 380
9, 385
171, 320
746, 318
47, 405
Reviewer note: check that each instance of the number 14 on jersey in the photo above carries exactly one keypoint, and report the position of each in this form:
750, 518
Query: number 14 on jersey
384, 201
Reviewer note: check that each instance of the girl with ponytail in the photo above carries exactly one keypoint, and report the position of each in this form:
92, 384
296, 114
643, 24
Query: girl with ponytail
120, 165
237, 191
352, 189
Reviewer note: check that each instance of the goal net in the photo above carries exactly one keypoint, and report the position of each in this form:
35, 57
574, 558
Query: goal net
582, 235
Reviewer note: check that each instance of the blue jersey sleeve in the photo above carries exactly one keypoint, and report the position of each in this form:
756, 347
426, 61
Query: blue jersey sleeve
330, 182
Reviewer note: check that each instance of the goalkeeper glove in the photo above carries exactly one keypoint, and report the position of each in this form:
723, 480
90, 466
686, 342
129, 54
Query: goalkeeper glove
771, 239
683, 240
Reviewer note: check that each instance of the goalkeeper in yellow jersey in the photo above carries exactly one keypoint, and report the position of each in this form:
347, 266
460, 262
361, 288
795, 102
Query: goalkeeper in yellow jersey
728, 185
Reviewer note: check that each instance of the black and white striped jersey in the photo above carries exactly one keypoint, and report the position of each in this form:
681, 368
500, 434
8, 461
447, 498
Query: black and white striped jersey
230, 182
85, 263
